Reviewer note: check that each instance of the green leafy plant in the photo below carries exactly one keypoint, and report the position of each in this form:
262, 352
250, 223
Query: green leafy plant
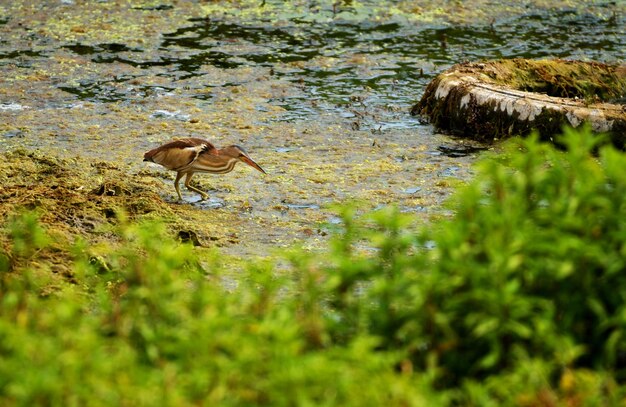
517, 299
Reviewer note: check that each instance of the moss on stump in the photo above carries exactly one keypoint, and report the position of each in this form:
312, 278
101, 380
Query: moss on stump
496, 99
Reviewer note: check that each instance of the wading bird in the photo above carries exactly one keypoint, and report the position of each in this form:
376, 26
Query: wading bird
190, 155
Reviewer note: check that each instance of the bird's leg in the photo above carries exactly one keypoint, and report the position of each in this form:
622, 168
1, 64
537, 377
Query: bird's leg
192, 188
178, 177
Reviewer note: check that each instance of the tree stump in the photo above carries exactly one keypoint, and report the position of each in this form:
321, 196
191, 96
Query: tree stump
497, 99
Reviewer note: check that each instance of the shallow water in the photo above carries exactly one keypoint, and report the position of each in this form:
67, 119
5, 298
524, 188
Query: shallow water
319, 94
361, 71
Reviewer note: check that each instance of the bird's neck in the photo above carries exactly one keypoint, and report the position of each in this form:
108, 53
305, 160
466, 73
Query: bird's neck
217, 164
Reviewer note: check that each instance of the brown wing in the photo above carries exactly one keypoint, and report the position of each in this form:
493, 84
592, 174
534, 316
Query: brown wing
178, 154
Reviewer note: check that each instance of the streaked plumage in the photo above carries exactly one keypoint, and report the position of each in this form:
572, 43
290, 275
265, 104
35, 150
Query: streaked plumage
190, 155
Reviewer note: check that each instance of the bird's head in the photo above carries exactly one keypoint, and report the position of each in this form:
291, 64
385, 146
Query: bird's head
240, 154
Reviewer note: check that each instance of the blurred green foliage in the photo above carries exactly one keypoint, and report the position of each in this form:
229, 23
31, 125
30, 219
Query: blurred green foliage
518, 299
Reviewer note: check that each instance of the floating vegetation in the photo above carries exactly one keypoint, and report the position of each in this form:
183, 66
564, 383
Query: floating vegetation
319, 91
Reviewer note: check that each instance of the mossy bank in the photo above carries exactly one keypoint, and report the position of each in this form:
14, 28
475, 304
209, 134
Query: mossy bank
497, 99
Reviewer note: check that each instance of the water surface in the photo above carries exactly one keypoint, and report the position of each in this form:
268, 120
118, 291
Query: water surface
319, 94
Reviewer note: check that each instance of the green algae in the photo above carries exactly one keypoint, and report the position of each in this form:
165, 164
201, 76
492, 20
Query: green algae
421, 11
591, 81
79, 200
82, 198
100, 22
90, 77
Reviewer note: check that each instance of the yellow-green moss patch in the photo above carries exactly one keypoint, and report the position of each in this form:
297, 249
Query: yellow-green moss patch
496, 99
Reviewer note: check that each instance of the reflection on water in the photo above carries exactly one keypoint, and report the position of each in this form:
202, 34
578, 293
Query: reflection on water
368, 72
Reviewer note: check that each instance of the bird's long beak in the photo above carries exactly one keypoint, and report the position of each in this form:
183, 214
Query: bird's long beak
252, 164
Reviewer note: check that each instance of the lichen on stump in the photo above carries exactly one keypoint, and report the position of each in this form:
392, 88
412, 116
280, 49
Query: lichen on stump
497, 99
